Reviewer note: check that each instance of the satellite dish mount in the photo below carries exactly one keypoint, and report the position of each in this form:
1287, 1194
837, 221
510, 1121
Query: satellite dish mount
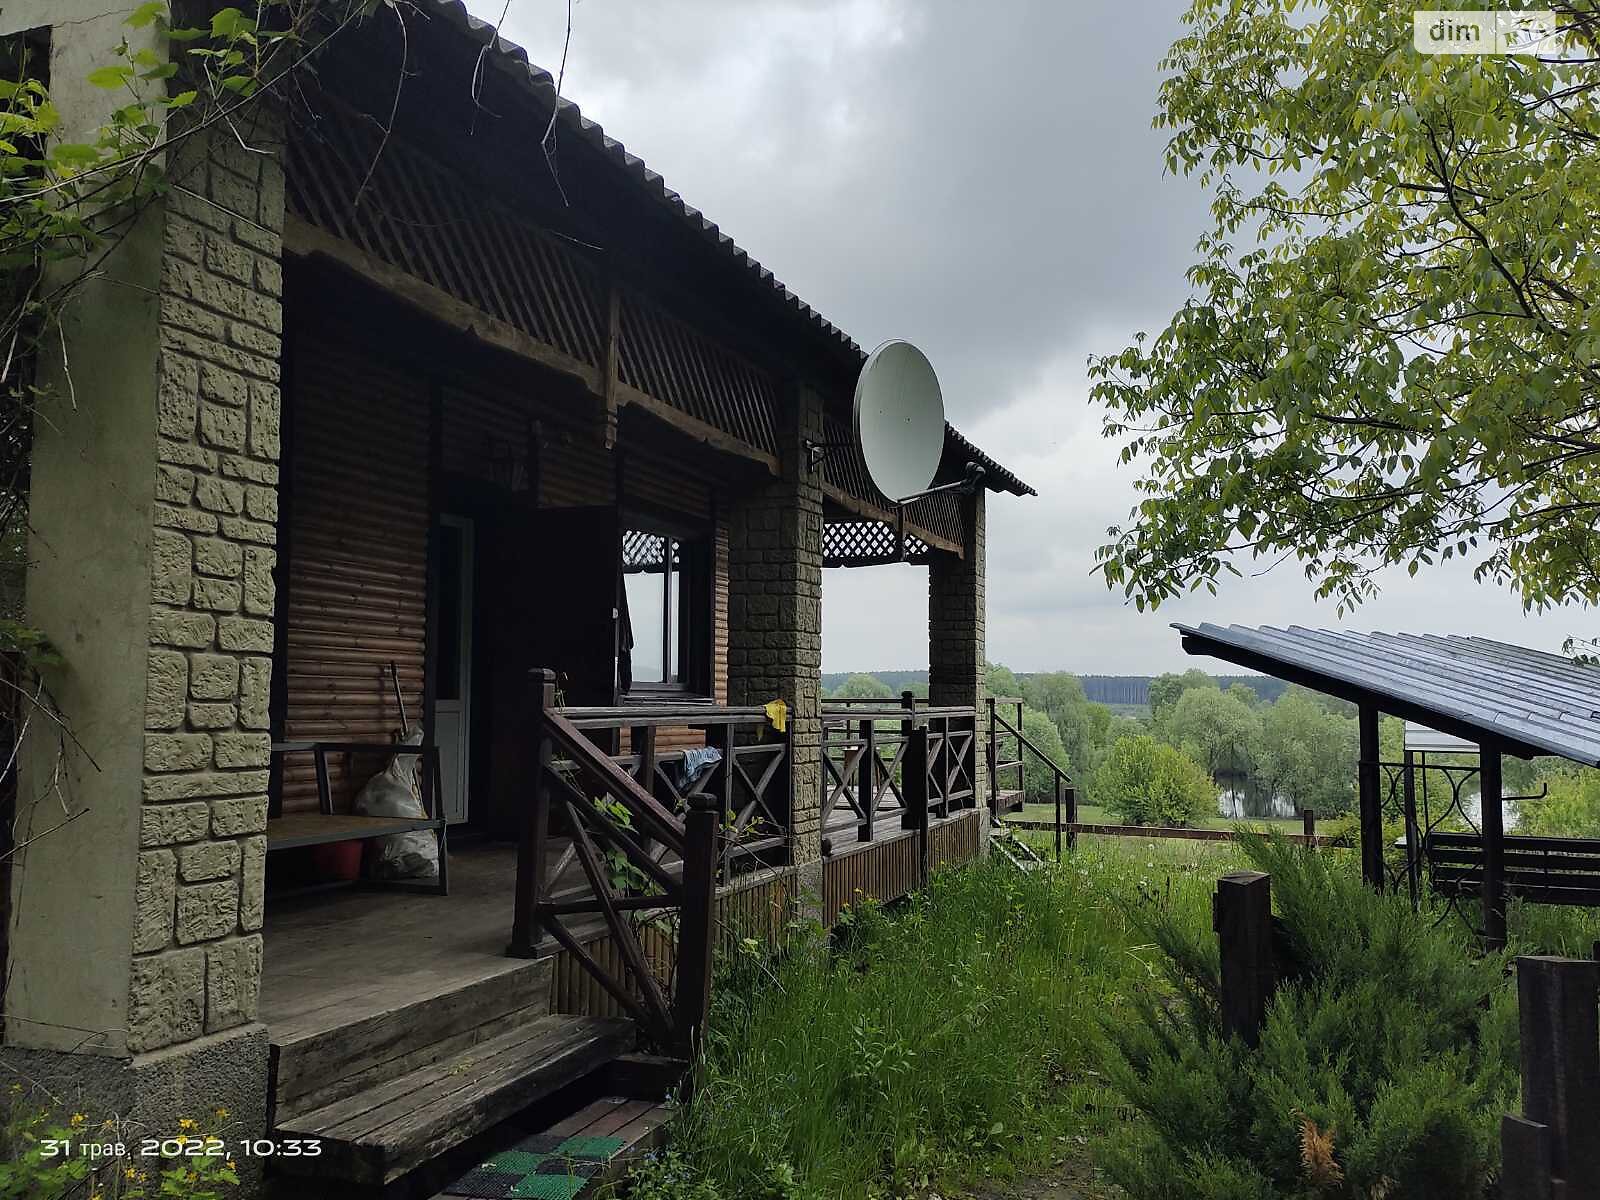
899, 428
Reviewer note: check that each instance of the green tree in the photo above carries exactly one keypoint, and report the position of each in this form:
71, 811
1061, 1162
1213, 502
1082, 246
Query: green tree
1245, 694
1571, 809
1216, 728
1308, 755
1391, 355
998, 680
1146, 782
864, 687
1038, 780
1165, 689
1084, 726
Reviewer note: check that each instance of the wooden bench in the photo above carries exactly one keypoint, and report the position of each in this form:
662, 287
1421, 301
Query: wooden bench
325, 826
1545, 870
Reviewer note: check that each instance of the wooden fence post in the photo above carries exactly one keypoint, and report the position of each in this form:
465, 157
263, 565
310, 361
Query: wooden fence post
1525, 1169
1558, 1002
915, 784
1241, 914
697, 923
867, 779
1308, 826
990, 758
1072, 817
1059, 800
534, 836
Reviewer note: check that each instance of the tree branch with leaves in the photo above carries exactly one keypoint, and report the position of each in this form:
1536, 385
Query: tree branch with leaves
1390, 355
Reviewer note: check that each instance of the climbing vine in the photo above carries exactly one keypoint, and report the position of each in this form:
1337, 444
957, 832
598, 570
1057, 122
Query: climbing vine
70, 190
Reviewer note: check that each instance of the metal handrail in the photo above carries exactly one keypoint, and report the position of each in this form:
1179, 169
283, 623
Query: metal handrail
1066, 795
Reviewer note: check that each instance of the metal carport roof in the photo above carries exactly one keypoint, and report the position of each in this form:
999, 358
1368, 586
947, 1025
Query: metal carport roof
1522, 701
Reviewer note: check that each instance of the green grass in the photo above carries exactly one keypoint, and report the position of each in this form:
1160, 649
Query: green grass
1094, 814
953, 1037
963, 1035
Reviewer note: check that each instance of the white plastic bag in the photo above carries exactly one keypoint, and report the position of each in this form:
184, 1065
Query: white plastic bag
395, 792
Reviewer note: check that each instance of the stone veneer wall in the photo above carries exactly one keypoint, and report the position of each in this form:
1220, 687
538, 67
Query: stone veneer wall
956, 635
775, 609
197, 942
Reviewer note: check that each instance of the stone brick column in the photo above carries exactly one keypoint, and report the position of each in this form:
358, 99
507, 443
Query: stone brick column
956, 614
136, 947
775, 610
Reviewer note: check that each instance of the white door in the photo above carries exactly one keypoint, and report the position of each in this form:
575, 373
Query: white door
452, 708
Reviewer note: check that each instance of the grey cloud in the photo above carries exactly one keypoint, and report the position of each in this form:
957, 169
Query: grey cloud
981, 178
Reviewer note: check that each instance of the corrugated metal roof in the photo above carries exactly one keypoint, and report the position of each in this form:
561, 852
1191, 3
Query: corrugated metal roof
512, 59
1420, 737
1525, 701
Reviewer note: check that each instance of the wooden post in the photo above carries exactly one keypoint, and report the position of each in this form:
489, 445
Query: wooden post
915, 786
1241, 914
1308, 826
1413, 831
697, 924
1525, 1169
867, 779
1059, 799
534, 838
728, 744
643, 738
1368, 784
990, 757
1494, 848
1072, 818
1558, 1003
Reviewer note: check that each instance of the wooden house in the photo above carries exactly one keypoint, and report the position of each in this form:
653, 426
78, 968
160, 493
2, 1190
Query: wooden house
437, 410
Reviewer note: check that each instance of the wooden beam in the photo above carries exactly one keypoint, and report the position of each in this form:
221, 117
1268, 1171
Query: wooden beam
1369, 795
303, 239
1492, 819
693, 427
609, 377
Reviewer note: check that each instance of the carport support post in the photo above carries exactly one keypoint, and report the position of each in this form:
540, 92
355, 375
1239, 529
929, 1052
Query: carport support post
1371, 800
1494, 847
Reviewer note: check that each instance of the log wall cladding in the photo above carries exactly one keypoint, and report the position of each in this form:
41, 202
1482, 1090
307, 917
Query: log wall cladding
357, 544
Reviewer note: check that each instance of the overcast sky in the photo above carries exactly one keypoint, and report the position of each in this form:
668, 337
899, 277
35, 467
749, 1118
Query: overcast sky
983, 180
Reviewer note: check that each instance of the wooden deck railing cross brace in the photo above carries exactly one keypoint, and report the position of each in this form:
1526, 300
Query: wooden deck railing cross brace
674, 1024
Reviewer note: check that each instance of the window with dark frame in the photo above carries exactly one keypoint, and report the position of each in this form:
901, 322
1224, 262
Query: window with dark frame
667, 605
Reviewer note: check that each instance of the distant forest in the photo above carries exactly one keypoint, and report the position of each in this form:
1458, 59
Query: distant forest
1102, 689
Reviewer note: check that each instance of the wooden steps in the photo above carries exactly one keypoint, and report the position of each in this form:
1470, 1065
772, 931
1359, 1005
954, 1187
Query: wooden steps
576, 1157
375, 1135
329, 1053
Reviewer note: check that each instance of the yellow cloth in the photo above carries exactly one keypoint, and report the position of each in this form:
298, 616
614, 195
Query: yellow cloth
778, 714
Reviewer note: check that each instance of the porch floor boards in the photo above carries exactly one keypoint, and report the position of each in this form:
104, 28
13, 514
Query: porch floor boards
334, 958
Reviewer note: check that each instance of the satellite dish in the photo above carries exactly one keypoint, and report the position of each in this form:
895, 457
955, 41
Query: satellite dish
899, 419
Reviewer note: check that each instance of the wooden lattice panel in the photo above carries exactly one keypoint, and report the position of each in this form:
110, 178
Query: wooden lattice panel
647, 551
420, 218
668, 359
863, 543
846, 470
426, 220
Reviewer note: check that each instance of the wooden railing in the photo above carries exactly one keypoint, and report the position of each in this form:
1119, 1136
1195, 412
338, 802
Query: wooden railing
752, 781
998, 765
639, 856
879, 757
1066, 795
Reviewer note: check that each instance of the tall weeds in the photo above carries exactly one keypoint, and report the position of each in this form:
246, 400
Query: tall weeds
954, 1035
